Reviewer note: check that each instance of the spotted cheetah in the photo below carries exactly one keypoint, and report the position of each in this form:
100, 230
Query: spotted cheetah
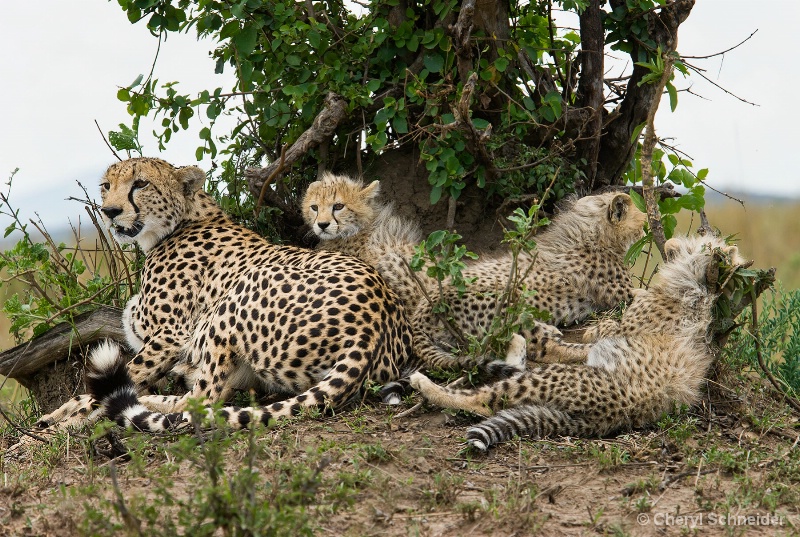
347, 216
579, 267
655, 357
230, 310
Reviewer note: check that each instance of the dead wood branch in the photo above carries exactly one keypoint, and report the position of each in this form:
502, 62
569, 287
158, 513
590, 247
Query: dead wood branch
56, 344
461, 31
333, 113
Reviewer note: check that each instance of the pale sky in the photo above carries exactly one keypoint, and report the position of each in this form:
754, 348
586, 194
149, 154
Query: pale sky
63, 62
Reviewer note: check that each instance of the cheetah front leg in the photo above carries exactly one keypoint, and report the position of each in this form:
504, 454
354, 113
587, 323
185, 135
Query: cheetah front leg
545, 345
157, 357
74, 412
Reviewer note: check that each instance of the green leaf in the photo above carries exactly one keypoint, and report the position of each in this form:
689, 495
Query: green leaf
314, 38
669, 222
245, 40
480, 123
435, 238
673, 96
434, 63
436, 194
636, 249
638, 200
638, 131
501, 64
400, 125
136, 82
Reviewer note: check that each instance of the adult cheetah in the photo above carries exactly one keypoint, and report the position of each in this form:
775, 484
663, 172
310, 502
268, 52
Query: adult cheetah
228, 309
655, 357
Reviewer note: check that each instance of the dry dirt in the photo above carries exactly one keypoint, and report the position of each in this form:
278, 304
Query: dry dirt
409, 476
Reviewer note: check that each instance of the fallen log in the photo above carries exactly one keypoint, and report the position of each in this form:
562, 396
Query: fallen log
51, 365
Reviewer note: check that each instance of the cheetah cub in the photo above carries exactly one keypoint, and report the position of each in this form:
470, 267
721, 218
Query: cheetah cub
655, 357
579, 266
347, 217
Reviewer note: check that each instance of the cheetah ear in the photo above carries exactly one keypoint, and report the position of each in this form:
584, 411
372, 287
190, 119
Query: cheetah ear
671, 248
618, 208
192, 178
372, 189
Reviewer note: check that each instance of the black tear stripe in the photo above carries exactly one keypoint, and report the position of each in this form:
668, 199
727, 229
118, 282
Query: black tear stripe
130, 199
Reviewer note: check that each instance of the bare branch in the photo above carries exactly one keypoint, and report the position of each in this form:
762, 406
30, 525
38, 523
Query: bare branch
333, 113
103, 136
724, 51
699, 72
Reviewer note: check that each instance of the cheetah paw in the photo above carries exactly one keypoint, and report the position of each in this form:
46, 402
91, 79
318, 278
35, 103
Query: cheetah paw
419, 382
516, 354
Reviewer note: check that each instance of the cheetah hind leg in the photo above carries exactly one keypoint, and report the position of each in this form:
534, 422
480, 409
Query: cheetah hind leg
514, 362
470, 400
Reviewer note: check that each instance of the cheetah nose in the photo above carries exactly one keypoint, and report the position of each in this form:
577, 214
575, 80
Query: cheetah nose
323, 225
111, 212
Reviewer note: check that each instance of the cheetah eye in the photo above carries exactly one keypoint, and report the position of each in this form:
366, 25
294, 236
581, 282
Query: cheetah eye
338, 206
314, 208
140, 183
105, 186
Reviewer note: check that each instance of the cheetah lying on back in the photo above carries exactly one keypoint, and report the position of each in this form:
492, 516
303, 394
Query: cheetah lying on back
230, 310
579, 268
347, 217
655, 357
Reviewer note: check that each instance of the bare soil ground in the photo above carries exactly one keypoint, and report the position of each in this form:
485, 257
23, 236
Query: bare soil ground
729, 468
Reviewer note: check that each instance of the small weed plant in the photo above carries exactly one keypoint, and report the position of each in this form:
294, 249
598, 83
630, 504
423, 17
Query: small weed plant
60, 281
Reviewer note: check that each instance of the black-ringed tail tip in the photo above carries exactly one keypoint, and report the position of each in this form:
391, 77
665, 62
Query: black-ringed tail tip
110, 384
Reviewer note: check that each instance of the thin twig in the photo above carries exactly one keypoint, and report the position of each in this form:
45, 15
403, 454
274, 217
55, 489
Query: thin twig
21, 429
103, 136
698, 71
443, 318
133, 523
83, 302
268, 181
724, 51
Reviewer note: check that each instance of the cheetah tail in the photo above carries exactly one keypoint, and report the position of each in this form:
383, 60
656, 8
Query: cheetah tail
109, 383
531, 420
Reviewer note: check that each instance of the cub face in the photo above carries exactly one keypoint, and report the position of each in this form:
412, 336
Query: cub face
339, 207
145, 199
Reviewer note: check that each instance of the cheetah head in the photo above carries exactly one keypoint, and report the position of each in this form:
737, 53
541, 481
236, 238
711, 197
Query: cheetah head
144, 199
697, 258
605, 221
337, 206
